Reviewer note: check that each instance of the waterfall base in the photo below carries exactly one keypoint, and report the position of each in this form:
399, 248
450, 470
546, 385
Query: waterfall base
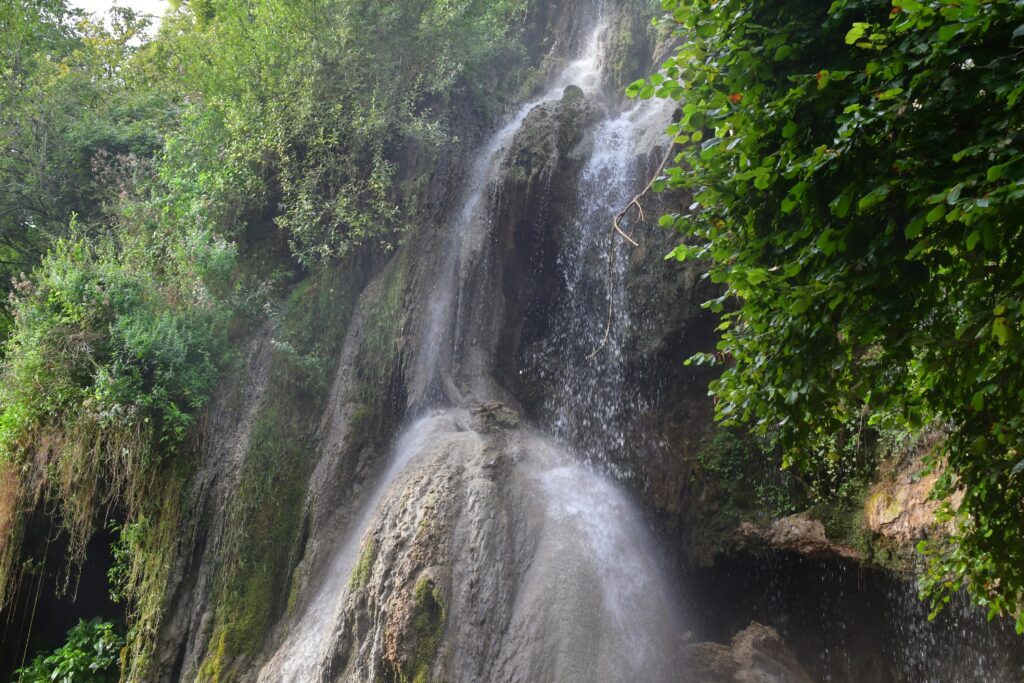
495, 556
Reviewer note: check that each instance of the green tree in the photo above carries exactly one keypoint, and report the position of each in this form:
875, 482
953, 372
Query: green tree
857, 174
296, 112
68, 108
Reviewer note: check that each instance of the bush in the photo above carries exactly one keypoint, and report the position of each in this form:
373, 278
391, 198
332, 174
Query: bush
90, 656
118, 341
859, 186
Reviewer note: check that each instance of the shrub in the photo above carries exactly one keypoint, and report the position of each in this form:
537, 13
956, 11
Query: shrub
90, 655
859, 186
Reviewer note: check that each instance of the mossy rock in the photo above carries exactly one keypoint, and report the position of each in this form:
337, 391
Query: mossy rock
364, 567
428, 624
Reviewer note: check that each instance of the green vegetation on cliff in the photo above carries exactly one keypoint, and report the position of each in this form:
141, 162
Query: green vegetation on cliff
858, 188
159, 193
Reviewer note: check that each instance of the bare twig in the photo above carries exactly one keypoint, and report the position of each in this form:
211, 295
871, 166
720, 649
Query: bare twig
634, 203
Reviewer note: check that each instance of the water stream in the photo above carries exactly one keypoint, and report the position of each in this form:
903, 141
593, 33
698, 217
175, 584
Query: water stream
464, 243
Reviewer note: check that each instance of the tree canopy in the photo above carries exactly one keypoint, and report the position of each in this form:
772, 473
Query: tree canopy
857, 173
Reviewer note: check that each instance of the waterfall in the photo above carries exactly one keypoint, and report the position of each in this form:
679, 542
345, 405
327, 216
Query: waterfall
592, 602
465, 238
590, 403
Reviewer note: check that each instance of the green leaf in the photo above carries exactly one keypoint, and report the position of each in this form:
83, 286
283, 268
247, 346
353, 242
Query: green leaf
840, 206
1001, 331
633, 90
973, 239
783, 52
954, 195
826, 242
948, 32
857, 32
789, 130
756, 276
873, 198
914, 228
890, 94
978, 401
682, 252
763, 179
935, 214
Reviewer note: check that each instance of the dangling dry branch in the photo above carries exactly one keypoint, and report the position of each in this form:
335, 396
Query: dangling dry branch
634, 203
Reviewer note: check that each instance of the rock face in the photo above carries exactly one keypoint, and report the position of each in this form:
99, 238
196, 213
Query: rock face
899, 507
799, 534
756, 655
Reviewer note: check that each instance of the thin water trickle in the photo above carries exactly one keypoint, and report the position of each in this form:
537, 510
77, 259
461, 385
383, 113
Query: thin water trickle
302, 655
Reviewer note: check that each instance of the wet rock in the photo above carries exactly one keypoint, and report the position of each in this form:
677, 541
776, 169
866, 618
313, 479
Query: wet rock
494, 416
798, 533
550, 133
756, 655
536, 571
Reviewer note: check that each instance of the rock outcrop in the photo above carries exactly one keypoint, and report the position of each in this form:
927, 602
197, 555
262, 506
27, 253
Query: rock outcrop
899, 507
756, 655
799, 533
486, 525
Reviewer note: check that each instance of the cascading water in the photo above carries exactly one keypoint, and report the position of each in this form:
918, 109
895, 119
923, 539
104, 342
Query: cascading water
464, 243
591, 403
592, 603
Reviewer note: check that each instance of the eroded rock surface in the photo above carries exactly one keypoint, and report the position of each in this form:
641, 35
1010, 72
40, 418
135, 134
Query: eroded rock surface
900, 507
487, 525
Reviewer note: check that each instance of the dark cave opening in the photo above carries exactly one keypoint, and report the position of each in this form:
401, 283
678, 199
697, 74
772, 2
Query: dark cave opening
51, 597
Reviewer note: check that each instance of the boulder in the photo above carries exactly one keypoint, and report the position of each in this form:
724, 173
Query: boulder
756, 655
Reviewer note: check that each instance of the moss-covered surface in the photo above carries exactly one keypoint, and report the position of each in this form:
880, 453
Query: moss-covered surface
144, 556
429, 618
267, 509
379, 363
364, 567
629, 51
212, 666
